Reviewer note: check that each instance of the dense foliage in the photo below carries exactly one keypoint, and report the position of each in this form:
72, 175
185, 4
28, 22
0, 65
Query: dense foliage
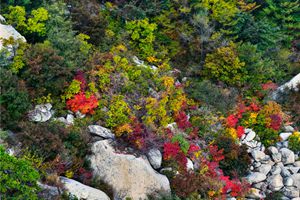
186, 77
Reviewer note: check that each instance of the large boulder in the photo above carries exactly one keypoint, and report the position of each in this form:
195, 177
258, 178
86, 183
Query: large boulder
290, 85
6, 32
82, 191
129, 176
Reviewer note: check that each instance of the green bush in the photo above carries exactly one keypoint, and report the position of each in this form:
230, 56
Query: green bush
224, 65
18, 179
14, 100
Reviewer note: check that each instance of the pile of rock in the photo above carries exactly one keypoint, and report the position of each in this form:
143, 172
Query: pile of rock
274, 169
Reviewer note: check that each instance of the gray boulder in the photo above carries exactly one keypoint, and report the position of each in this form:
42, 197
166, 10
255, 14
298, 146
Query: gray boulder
129, 176
101, 131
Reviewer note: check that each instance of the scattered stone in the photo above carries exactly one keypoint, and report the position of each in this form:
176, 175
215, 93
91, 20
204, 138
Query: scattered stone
41, 113
277, 157
258, 155
285, 172
189, 164
272, 150
291, 192
288, 182
289, 129
256, 177
285, 136
265, 168
130, 176
296, 180
297, 164
155, 158
101, 131
288, 156
250, 136
256, 194
275, 182
82, 191
79, 115
70, 119
276, 170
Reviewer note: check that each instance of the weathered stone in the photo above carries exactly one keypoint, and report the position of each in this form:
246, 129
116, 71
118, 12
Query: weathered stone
288, 156
297, 164
288, 182
275, 182
256, 194
289, 129
272, 150
264, 168
256, 177
41, 113
277, 157
291, 192
130, 176
296, 180
155, 158
276, 170
48, 192
258, 155
82, 191
189, 164
250, 136
101, 131
70, 119
285, 136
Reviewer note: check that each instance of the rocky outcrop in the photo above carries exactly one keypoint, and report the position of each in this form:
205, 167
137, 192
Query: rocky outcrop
290, 85
129, 176
82, 191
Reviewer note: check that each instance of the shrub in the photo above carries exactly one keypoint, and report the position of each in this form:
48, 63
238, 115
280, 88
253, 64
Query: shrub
18, 179
224, 64
142, 36
294, 142
237, 160
41, 78
210, 94
14, 99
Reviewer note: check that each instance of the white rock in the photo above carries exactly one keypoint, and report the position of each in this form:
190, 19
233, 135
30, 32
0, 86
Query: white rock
70, 119
291, 192
41, 113
285, 136
155, 158
288, 182
288, 156
256, 177
276, 170
256, 194
189, 164
277, 157
258, 155
250, 136
273, 150
289, 129
83, 191
130, 176
265, 168
297, 164
79, 115
296, 179
101, 131
275, 182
